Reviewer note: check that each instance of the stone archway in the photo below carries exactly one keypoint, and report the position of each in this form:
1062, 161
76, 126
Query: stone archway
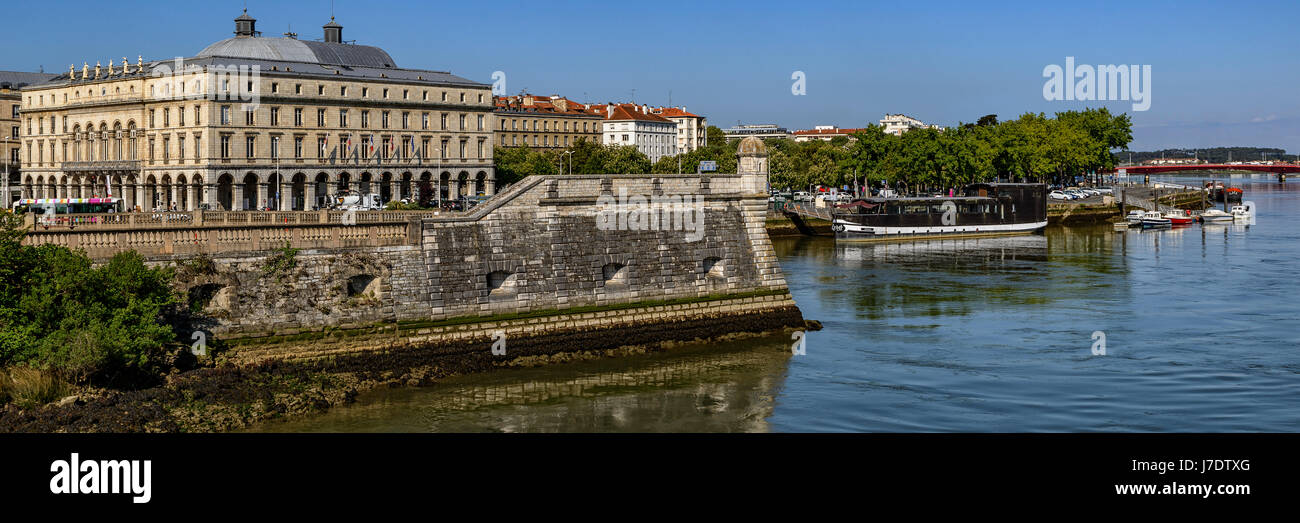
299, 192
226, 192
320, 192
386, 187
150, 193
363, 183
251, 199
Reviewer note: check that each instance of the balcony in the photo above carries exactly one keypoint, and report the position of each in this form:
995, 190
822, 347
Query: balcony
106, 165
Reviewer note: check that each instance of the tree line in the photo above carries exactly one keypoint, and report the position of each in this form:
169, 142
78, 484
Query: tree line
1033, 147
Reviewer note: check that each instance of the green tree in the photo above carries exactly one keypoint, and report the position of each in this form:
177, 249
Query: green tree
89, 324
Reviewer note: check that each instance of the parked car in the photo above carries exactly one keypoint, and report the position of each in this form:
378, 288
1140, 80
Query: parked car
1057, 195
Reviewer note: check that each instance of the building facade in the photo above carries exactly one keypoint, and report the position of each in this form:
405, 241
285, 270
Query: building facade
897, 124
253, 122
691, 128
11, 129
636, 125
544, 122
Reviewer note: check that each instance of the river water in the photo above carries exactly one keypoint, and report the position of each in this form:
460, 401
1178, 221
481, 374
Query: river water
1200, 327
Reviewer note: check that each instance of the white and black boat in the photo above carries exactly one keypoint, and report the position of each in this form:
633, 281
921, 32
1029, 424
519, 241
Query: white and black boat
984, 209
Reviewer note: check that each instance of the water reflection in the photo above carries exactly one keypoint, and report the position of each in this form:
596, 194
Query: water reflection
724, 388
989, 334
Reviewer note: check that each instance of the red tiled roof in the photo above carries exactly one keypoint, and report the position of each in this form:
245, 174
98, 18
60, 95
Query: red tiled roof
628, 112
674, 112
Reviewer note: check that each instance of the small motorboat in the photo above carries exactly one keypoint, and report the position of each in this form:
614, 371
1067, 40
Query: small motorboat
1153, 219
1243, 212
1215, 216
1176, 218
1134, 218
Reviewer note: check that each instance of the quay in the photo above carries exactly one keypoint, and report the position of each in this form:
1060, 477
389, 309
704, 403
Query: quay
533, 262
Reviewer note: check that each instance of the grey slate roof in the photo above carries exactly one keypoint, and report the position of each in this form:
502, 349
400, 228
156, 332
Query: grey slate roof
294, 50
17, 79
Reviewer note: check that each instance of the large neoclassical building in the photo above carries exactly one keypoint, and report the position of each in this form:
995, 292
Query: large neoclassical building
255, 122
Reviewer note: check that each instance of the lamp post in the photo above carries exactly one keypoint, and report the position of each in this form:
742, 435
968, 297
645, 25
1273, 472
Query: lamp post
570, 153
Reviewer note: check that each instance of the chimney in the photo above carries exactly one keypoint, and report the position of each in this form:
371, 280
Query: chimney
245, 26
333, 32
609, 111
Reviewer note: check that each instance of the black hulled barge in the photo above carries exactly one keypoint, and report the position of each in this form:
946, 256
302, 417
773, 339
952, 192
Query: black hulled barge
983, 209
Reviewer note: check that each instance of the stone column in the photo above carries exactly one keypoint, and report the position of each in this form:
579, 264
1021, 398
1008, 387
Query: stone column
309, 195
490, 186
263, 197
208, 191
453, 189
171, 195
395, 189
286, 197
237, 201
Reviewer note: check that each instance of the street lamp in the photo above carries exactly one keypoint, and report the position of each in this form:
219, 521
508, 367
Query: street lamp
570, 153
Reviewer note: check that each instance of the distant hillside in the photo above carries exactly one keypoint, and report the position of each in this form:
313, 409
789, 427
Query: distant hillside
1211, 155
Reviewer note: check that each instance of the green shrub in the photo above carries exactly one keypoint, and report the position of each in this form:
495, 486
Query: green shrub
281, 262
88, 324
397, 205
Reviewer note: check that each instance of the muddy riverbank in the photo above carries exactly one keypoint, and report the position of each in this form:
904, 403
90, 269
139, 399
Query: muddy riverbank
233, 396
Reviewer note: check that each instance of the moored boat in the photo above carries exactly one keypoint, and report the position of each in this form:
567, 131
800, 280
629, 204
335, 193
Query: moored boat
1134, 218
1153, 219
1215, 216
1243, 212
1178, 218
985, 209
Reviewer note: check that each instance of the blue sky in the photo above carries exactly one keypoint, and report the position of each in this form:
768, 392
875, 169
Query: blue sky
1222, 73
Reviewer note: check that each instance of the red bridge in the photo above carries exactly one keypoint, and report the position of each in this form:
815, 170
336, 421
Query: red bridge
1154, 169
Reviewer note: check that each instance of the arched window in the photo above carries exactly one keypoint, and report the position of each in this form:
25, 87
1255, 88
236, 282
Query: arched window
117, 141
130, 130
